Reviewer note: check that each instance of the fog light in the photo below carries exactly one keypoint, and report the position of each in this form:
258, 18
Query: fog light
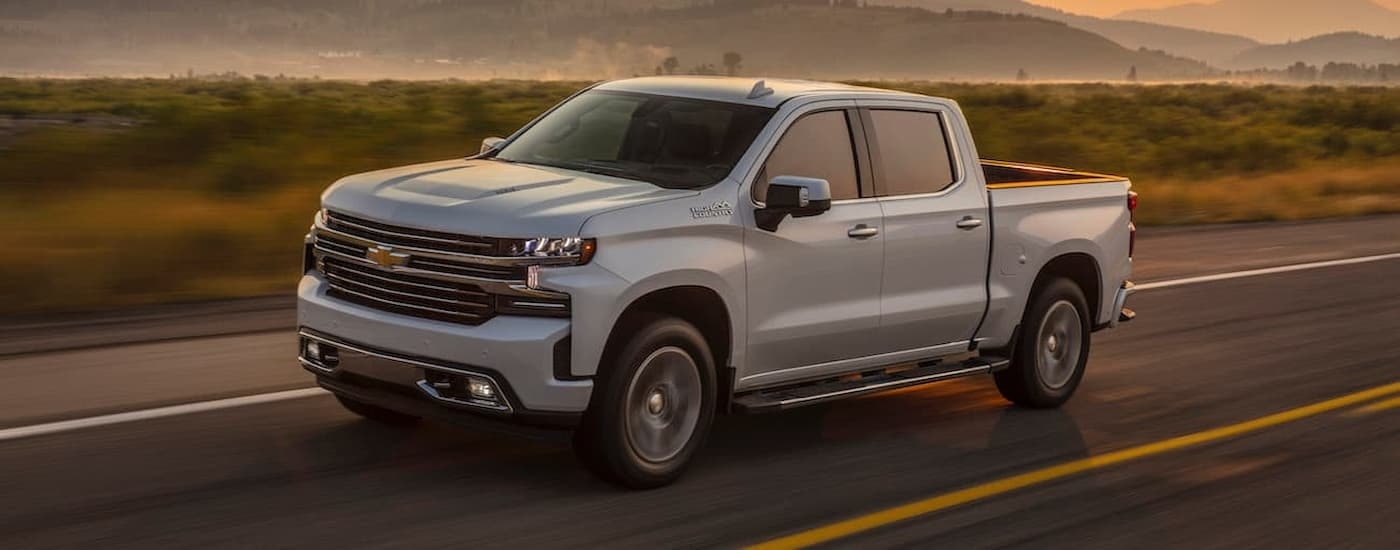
313, 350
480, 387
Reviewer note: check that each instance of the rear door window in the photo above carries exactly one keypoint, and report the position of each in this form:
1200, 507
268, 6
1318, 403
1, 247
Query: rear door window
910, 152
816, 146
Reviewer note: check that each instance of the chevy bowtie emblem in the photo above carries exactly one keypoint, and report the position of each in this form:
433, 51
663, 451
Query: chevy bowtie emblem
385, 256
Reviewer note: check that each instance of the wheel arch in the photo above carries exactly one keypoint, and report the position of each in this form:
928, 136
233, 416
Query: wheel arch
698, 305
1080, 268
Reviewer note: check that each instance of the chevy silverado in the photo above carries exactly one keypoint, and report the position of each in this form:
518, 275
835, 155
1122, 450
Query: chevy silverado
653, 252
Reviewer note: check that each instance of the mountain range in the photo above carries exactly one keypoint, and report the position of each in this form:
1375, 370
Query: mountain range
1277, 21
1211, 47
1349, 47
556, 39
944, 39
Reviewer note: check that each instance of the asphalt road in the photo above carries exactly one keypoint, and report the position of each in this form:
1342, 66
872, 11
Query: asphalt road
302, 472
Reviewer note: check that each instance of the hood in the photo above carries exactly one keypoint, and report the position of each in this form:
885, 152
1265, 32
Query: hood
489, 198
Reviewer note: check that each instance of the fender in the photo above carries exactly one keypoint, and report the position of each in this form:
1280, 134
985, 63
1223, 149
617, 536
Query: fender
654, 253
1034, 226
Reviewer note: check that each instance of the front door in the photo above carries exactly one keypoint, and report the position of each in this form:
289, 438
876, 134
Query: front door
814, 284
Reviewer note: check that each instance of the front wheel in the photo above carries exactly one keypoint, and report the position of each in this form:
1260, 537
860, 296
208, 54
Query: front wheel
652, 409
1052, 348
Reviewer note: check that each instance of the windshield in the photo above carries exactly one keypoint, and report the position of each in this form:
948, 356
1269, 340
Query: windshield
668, 141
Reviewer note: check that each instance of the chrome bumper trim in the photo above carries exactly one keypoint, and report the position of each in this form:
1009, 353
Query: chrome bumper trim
504, 261
497, 286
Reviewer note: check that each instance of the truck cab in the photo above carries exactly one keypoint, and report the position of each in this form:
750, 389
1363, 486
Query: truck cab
653, 252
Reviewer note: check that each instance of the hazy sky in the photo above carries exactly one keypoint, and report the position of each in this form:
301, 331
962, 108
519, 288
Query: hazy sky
1113, 7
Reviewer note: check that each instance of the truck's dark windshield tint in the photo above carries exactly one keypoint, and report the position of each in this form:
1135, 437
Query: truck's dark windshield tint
669, 141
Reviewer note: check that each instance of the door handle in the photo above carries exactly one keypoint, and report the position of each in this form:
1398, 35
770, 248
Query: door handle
863, 231
969, 223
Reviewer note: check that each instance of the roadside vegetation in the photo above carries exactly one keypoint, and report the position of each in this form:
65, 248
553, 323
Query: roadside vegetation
122, 192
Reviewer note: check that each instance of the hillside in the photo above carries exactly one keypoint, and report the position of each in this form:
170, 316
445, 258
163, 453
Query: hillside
1211, 47
1274, 21
1347, 47
901, 43
543, 39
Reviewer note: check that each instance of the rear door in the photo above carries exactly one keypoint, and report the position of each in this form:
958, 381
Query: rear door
814, 284
937, 232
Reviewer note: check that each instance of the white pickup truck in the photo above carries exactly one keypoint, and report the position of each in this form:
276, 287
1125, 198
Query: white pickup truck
653, 252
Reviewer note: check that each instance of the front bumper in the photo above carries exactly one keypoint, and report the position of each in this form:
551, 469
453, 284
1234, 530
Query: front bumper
400, 383
518, 355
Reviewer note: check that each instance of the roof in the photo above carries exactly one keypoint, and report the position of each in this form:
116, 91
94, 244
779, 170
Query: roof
737, 90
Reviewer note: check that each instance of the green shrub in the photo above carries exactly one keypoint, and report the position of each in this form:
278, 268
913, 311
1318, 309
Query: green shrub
137, 191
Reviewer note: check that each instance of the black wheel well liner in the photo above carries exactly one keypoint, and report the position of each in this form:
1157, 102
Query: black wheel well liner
697, 305
1082, 270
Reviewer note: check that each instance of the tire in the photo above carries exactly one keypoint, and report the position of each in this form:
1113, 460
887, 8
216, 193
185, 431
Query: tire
652, 406
376, 413
1052, 348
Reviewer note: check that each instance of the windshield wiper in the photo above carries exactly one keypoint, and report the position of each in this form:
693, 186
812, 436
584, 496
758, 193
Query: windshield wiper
588, 167
592, 167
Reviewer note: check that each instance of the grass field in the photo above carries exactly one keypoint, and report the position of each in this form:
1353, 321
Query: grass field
121, 192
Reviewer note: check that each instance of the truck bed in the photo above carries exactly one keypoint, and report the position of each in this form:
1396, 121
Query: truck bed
1009, 175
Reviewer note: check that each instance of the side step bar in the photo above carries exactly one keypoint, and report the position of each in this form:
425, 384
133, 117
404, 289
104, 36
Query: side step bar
788, 397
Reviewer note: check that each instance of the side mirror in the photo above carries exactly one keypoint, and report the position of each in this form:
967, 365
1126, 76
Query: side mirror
793, 196
491, 144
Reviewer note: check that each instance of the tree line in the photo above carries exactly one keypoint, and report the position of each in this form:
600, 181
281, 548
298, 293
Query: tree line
732, 62
1350, 73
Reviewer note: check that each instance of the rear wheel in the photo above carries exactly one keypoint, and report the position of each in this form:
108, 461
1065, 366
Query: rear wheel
376, 413
652, 409
1052, 349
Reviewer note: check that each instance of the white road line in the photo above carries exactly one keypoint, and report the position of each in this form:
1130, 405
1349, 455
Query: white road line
1265, 271
149, 414
206, 406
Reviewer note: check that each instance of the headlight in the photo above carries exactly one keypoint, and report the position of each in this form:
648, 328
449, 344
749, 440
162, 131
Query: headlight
550, 248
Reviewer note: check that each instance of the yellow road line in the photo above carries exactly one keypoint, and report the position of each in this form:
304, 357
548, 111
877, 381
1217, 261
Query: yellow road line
942, 502
1379, 406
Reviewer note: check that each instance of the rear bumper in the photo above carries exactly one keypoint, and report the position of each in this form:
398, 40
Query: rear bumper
1120, 300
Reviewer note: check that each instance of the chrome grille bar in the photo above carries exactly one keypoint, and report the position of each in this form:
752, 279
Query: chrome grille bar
410, 309
393, 234
324, 231
417, 283
492, 285
341, 281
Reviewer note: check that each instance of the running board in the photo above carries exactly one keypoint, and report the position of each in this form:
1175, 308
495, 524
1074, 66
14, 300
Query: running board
788, 397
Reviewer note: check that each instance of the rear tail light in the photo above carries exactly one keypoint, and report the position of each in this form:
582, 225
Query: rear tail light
1132, 227
1132, 239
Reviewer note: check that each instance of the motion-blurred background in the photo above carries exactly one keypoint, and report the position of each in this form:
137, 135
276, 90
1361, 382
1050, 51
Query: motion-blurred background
160, 161
173, 150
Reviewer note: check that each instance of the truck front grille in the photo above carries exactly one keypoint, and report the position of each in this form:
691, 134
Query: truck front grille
465, 268
407, 294
434, 275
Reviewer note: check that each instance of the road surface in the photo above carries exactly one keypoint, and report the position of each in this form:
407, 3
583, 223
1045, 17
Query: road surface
1254, 411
